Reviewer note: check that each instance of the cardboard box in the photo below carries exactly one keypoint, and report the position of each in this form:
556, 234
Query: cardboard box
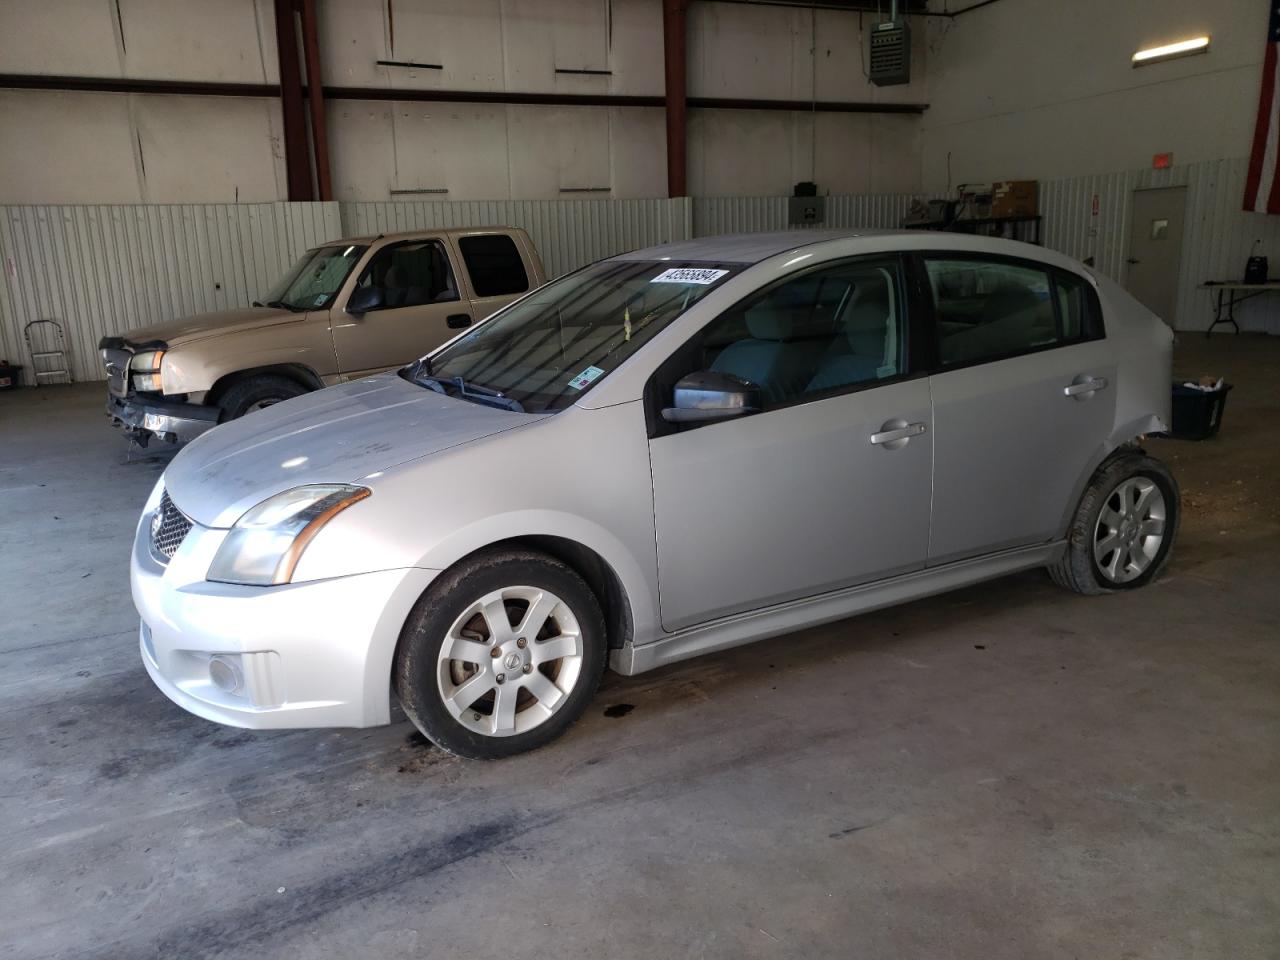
1015, 198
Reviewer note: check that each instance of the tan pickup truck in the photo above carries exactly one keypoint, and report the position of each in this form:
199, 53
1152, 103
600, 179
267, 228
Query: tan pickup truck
346, 309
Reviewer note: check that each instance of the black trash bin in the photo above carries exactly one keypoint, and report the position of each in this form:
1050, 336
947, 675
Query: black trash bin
10, 376
1197, 414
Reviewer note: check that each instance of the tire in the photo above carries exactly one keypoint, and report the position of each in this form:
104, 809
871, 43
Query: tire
1120, 551
540, 695
254, 393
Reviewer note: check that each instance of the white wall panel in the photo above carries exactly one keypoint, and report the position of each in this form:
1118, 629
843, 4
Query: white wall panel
1042, 88
100, 270
1218, 236
567, 233
74, 147
66, 37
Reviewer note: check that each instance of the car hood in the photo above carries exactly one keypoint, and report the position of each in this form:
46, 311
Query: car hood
203, 325
338, 435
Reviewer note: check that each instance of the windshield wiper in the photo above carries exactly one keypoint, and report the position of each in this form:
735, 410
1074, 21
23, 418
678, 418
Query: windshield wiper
278, 304
420, 373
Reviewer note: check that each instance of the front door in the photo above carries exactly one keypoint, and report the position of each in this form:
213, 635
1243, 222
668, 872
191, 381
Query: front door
1155, 249
829, 484
1023, 400
420, 308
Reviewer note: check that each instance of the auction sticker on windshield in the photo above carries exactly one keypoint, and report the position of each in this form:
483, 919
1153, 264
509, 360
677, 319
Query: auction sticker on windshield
700, 275
584, 378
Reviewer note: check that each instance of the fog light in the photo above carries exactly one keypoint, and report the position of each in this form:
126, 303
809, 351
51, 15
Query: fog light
225, 674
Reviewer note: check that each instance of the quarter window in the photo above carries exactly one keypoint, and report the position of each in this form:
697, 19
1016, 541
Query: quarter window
989, 309
411, 274
826, 330
494, 264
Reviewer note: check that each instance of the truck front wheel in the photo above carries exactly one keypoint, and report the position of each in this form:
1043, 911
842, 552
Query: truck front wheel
255, 393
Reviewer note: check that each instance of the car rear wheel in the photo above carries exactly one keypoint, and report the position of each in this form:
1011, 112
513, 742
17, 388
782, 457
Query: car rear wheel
257, 393
1124, 528
501, 654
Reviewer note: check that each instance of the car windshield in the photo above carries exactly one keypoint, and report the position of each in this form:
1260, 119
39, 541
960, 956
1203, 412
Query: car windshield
312, 282
547, 350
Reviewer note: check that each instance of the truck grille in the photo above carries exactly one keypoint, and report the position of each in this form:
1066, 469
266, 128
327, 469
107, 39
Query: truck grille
116, 363
169, 527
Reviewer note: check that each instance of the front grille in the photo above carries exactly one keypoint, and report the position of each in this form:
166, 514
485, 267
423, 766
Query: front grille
169, 527
117, 366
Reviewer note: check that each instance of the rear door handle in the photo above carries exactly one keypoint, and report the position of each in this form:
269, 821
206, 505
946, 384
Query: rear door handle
897, 434
457, 321
1083, 385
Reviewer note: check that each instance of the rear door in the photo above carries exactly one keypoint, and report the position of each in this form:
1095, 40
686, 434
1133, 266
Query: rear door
422, 306
1023, 398
497, 271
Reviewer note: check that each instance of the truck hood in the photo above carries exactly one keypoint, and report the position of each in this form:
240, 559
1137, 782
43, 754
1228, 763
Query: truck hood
203, 325
338, 435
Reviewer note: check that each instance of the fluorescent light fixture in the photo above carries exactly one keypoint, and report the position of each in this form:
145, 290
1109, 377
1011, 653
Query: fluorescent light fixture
1165, 51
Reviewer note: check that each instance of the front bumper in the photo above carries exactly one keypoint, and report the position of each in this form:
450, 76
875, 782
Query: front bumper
143, 418
315, 654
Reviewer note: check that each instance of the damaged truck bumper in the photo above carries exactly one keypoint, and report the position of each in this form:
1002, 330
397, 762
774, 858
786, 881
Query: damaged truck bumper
141, 419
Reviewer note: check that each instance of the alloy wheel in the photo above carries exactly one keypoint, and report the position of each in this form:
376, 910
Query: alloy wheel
509, 661
1130, 530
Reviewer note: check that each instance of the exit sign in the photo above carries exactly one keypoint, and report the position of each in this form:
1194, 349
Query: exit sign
1162, 161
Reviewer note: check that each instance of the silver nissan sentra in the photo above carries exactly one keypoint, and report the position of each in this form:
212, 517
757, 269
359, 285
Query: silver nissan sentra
670, 452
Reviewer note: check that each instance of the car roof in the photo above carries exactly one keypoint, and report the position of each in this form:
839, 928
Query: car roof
419, 233
752, 248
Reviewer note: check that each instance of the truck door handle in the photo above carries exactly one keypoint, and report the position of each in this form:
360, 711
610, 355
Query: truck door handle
1131, 260
1082, 386
896, 433
457, 321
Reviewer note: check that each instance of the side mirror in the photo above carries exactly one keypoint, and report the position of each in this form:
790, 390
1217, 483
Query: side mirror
707, 395
364, 299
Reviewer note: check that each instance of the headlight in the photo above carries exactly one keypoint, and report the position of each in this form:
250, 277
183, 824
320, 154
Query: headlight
264, 546
145, 368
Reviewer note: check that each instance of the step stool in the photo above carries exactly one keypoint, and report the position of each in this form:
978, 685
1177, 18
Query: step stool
55, 361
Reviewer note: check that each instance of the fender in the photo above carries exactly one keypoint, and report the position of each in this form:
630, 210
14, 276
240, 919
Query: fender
564, 526
1127, 436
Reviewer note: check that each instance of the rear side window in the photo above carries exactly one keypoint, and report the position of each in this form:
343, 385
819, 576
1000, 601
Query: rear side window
988, 309
494, 263
1078, 308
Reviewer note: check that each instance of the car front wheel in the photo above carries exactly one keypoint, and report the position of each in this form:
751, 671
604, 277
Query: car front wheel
501, 654
1123, 529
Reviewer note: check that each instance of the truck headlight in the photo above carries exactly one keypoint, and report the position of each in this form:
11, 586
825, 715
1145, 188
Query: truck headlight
264, 546
145, 368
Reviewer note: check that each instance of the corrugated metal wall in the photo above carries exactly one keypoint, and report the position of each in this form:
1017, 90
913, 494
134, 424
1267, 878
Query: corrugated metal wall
715, 215
99, 270
1217, 237
567, 233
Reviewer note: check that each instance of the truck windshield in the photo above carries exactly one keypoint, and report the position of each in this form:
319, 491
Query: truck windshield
550, 348
312, 282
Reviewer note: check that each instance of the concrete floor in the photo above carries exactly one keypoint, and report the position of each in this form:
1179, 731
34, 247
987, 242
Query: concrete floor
1009, 771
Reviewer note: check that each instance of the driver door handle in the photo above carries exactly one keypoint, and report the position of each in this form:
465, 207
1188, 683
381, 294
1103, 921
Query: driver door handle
899, 433
1090, 385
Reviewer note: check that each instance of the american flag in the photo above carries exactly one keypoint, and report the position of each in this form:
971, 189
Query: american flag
1262, 188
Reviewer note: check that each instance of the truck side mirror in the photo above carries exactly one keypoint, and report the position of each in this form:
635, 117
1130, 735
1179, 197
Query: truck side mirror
364, 299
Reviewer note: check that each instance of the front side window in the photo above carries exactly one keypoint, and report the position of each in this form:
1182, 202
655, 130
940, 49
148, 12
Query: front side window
988, 309
494, 263
829, 329
410, 275
547, 350
312, 282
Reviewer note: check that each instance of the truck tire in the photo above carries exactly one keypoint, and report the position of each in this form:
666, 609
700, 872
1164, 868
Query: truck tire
255, 393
